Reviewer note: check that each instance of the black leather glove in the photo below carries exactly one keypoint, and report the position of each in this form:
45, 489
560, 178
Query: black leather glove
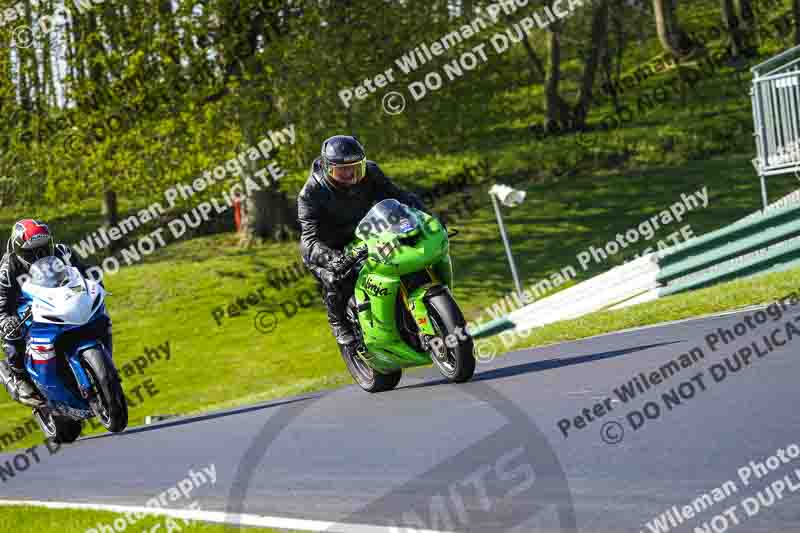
10, 327
342, 264
361, 257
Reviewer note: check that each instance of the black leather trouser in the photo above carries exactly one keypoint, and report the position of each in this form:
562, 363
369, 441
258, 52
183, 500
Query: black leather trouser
335, 297
15, 353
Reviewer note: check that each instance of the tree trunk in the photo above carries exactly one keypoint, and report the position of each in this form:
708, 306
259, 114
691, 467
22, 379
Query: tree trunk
673, 39
552, 99
597, 51
536, 63
110, 208
110, 212
614, 70
730, 21
468, 9
745, 13
796, 13
266, 213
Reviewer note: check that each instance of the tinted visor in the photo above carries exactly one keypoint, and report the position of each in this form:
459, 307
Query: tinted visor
31, 256
349, 173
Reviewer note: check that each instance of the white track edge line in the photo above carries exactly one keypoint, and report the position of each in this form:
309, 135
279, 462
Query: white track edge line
218, 517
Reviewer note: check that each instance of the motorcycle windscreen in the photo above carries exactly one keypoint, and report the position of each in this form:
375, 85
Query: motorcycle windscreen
49, 273
388, 216
59, 294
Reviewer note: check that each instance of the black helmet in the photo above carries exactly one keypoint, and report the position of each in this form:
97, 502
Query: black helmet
344, 160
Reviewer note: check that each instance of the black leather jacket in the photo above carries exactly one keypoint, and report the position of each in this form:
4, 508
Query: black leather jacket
328, 217
11, 269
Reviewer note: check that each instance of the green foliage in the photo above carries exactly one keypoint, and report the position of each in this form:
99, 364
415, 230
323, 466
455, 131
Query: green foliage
149, 97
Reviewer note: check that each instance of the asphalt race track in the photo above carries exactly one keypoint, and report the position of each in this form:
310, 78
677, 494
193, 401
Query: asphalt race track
485, 456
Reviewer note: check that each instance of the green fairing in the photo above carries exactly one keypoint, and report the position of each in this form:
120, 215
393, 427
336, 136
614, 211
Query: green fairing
391, 256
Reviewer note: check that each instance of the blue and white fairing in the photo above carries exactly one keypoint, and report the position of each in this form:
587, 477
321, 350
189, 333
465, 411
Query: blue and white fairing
62, 303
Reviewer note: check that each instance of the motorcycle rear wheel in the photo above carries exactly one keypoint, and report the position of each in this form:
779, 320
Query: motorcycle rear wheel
367, 377
58, 429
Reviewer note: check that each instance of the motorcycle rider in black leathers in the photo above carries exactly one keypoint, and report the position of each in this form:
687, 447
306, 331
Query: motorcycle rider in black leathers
342, 188
30, 241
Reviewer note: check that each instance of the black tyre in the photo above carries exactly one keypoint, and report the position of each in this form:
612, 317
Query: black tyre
58, 429
367, 377
110, 404
454, 352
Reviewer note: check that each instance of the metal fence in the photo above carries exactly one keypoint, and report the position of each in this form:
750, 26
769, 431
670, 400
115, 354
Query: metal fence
775, 95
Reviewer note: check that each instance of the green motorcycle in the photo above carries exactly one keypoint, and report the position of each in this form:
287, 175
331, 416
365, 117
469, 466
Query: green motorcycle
402, 310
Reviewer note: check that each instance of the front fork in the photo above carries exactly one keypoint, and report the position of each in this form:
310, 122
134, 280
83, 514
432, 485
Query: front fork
85, 385
417, 303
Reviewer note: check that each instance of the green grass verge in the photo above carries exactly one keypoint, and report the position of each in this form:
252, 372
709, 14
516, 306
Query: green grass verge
21, 519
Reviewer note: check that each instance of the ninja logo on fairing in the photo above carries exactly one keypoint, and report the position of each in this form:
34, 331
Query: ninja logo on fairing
375, 289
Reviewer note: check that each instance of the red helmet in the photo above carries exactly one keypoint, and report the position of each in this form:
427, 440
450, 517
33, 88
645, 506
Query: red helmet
30, 241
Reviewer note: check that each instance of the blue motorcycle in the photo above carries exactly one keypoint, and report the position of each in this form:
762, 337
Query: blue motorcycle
69, 353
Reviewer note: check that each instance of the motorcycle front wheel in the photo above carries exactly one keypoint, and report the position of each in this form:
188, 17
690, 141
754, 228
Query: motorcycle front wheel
453, 353
110, 404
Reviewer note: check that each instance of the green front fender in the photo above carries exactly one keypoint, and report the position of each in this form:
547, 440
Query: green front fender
419, 307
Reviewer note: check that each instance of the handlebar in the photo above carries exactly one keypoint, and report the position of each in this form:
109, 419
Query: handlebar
25, 317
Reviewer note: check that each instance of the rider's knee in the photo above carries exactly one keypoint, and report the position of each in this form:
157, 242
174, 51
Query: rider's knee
13, 350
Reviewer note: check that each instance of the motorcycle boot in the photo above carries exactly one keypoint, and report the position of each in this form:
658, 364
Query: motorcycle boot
15, 378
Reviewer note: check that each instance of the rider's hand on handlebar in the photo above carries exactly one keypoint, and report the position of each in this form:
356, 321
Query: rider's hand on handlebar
359, 257
341, 265
362, 253
10, 327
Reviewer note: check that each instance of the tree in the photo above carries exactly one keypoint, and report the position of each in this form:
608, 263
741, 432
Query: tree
672, 37
265, 213
796, 13
595, 54
559, 114
732, 24
744, 11
556, 110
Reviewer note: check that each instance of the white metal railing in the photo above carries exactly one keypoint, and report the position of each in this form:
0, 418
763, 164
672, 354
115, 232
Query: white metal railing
775, 95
